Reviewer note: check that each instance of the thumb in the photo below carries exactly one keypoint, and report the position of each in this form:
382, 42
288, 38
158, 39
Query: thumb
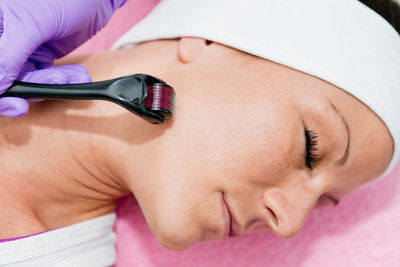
16, 107
67, 74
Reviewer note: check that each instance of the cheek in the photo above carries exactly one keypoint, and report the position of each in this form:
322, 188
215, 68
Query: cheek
219, 135
209, 150
230, 137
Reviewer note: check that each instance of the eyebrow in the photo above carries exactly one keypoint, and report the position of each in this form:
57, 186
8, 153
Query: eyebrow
346, 154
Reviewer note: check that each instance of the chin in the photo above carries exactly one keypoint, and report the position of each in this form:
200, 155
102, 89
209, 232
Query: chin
175, 245
176, 242
177, 237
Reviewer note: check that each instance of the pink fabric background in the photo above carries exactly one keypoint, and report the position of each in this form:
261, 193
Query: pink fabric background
364, 230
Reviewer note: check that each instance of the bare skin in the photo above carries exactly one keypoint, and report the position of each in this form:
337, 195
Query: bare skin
238, 136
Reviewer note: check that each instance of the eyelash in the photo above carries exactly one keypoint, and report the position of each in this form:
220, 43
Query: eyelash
311, 149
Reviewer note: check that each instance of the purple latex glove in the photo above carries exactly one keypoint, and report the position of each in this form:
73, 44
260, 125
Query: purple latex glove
35, 32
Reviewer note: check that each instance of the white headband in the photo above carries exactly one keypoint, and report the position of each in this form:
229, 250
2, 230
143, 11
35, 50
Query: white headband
340, 41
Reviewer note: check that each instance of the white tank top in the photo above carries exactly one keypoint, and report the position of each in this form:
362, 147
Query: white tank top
89, 243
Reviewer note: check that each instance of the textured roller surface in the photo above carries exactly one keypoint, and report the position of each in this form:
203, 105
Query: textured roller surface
160, 99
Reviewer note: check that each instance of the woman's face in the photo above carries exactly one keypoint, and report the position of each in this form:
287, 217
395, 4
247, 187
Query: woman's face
255, 143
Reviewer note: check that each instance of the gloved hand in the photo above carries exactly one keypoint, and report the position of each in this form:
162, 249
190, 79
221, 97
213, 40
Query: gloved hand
35, 32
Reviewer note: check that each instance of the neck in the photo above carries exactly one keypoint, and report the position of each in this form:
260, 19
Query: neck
69, 161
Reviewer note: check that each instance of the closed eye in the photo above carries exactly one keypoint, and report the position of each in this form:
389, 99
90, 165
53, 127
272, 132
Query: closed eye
312, 155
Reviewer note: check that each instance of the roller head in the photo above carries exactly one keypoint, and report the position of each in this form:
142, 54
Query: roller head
161, 100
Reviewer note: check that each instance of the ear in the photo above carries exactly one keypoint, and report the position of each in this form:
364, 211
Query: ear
189, 48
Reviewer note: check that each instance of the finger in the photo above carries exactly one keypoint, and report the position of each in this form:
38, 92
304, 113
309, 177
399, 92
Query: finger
46, 76
15, 48
75, 73
67, 74
13, 106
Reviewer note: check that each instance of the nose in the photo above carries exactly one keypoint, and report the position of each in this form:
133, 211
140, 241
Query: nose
286, 211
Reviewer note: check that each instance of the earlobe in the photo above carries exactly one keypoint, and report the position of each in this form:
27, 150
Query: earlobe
190, 48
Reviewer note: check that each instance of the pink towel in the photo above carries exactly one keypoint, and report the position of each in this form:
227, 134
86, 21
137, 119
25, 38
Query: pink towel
364, 230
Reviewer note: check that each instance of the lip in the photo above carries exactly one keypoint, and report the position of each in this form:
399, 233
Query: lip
227, 219
232, 228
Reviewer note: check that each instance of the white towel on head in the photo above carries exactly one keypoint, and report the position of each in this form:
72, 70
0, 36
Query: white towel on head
340, 41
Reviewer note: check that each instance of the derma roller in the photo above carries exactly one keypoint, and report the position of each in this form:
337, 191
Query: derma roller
144, 95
